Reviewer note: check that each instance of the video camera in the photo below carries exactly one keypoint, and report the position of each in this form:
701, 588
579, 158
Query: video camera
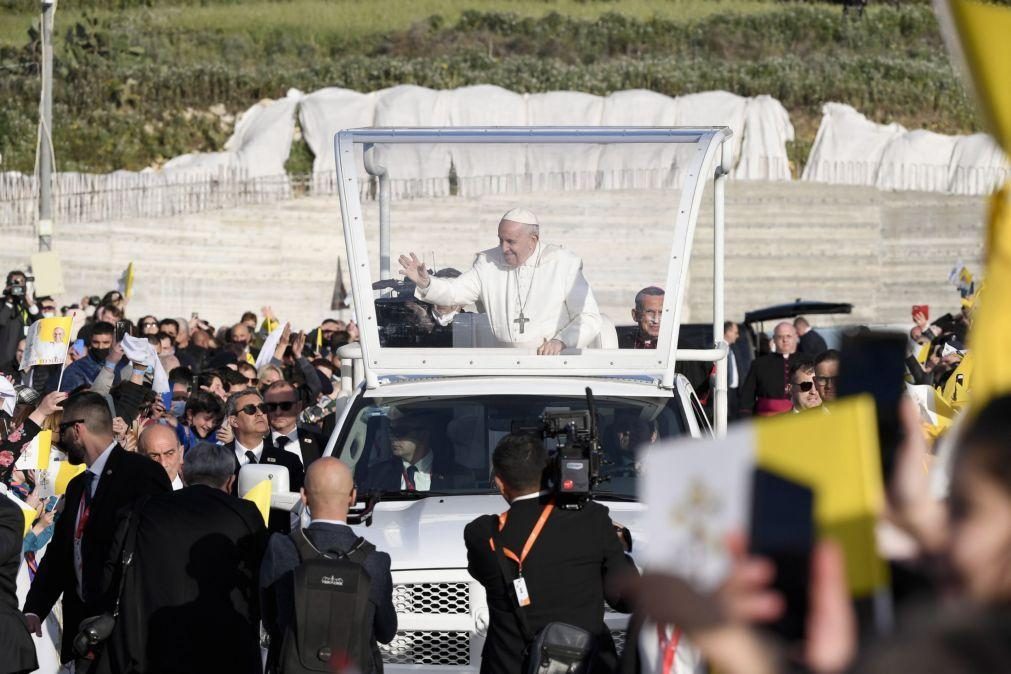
574, 468
16, 291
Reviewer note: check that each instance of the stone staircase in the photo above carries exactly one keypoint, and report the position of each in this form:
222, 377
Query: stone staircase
882, 251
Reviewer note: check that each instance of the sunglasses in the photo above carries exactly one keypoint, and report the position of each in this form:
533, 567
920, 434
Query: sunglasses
251, 382
251, 409
283, 406
401, 431
825, 381
805, 386
67, 424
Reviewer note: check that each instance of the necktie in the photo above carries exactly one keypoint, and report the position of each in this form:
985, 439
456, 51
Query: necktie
89, 477
412, 475
250, 456
282, 441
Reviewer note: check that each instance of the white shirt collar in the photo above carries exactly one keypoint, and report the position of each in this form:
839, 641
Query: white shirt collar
240, 449
529, 497
322, 521
292, 435
424, 465
100, 462
177, 483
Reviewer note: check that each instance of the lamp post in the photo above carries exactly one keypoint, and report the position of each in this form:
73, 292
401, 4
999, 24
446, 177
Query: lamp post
45, 225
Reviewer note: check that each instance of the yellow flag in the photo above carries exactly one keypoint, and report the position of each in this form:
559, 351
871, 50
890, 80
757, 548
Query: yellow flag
985, 36
65, 474
836, 455
128, 281
29, 513
991, 320
45, 440
260, 495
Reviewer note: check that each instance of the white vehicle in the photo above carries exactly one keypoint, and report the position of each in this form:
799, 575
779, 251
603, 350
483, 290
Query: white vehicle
469, 389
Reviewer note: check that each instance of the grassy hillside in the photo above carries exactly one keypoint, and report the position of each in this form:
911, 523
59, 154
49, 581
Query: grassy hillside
140, 84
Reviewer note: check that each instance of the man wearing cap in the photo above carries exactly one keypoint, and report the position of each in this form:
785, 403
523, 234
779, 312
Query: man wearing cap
535, 295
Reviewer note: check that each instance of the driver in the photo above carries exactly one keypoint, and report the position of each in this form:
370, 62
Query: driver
414, 466
624, 437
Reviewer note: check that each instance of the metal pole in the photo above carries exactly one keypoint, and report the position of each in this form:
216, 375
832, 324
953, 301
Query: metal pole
45, 226
720, 398
376, 169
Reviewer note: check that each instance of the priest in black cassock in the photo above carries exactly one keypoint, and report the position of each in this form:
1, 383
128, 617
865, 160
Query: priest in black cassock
764, 392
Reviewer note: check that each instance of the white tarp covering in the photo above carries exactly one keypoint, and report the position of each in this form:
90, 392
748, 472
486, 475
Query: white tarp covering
851, 149
978, 165
638, 166
564, 167
321, 115
715, 108
477, 170
414, 170
916, 160
767, 130
848, 147
263, 134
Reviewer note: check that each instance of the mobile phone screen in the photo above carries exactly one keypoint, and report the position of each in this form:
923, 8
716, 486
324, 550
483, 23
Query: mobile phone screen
782, 530
121, 330
874, 363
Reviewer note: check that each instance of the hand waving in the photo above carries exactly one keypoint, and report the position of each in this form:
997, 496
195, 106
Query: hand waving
414, 269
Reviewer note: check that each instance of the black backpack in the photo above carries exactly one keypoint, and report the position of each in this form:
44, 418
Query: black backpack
332, 626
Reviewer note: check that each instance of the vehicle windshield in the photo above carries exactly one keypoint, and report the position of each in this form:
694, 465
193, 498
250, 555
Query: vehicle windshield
406, 447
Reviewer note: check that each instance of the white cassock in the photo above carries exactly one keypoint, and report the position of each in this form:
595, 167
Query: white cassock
547, 297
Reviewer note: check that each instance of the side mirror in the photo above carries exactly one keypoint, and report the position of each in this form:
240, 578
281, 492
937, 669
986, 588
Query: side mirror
281, 496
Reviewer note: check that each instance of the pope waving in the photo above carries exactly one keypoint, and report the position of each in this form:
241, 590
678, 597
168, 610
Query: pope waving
534, 294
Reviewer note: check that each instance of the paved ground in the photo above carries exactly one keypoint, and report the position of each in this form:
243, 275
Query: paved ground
882, 251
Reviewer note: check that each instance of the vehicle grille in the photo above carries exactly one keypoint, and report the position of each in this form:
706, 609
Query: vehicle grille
619, 640
428, 648
442, 598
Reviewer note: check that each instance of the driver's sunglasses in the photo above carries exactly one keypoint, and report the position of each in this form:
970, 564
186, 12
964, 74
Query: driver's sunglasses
251, 409
825, 381
805, 386
284, 406
67, 424
402, 430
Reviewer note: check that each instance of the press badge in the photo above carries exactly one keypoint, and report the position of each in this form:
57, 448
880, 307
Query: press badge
522, 596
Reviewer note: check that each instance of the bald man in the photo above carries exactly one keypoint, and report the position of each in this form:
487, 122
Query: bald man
765, 391
328, 493
161, 444
536, 297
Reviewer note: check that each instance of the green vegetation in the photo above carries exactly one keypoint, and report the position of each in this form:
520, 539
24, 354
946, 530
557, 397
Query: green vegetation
136, 86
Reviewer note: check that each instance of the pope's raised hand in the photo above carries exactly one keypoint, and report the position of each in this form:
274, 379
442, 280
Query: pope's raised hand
414, 269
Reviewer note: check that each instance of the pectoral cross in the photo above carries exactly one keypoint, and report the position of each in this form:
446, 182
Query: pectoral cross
522, 321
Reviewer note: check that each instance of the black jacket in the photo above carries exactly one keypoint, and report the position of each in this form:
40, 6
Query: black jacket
812, 344
311, 445
278, 520
570, 571
190, 601
12, 329
766, 379
387, 476
15, 641
125, 478
278, 591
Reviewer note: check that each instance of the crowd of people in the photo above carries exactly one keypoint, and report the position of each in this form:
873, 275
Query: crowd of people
169, 462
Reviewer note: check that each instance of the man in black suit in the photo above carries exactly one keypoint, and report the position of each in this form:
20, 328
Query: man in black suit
764, 392
15, 641
811, 343
74, 563
283, 408
328, 493
415, 465
573, 565
189, 600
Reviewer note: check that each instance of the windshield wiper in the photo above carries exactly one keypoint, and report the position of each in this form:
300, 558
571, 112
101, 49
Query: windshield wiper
614, 496
413, 494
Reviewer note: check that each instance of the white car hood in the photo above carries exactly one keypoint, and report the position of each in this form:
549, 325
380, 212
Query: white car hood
428, 533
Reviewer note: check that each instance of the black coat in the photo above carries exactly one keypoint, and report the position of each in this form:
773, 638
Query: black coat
125, 478
15, 641
812, 344
311, 445
570, 571
278, 590
766, 379
12, 329
387, 476
190, 601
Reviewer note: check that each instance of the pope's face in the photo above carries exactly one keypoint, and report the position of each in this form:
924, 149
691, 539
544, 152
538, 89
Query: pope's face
517, 242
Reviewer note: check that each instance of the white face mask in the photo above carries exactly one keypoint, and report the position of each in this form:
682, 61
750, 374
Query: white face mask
48, 314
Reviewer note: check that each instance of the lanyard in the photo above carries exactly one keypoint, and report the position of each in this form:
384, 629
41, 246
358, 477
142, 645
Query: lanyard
668, 647
531, 539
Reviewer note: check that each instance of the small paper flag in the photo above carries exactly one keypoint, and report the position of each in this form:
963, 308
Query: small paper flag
66, 473
260, 496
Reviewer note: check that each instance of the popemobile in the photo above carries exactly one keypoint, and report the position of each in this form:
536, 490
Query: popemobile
520, 327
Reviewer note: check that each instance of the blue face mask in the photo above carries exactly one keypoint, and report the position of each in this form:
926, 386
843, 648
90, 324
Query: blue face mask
177, 408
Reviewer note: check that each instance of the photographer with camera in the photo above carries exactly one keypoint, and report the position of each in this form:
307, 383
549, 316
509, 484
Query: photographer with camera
545, 568
17, 311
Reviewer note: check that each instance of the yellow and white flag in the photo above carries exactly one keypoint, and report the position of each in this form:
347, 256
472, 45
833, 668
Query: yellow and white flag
47, 342
697, 492
260, 495
29, 512
35, 455
64, 474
